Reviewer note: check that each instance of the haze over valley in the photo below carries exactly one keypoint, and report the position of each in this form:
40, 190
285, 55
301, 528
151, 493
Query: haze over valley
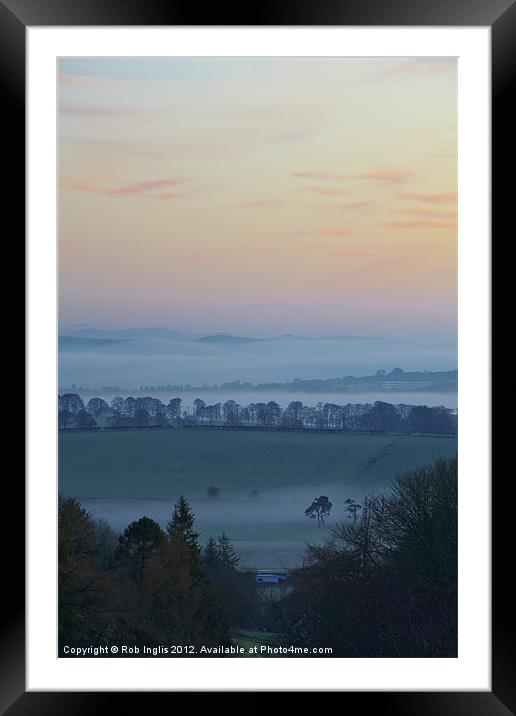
134, 358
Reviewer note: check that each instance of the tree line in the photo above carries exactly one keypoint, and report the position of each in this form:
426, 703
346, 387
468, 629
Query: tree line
152, 412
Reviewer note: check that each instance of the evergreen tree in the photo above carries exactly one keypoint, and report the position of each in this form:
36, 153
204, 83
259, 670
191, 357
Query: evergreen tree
211, 559
210, 552
182, 524
226, 552
183, 538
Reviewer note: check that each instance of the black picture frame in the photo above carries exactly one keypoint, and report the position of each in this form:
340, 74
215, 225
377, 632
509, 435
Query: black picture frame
500, 16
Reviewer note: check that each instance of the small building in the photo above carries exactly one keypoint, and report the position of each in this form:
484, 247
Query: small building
269, 578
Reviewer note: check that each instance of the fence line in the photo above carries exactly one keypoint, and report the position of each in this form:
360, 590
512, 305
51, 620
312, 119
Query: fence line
250, 428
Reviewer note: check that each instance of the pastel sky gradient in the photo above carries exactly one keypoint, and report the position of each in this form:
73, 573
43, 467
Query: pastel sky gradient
259, 196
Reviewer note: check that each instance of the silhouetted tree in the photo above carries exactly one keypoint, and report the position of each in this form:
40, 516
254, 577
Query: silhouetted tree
319, 509
174, 409
182, 523
199, 408
236, 589
97, 407
292, 415
273, 413
139, 543
210, 554
72, 413
230, 412
423, 419
85, 583
382, 417
226, 551
352, 508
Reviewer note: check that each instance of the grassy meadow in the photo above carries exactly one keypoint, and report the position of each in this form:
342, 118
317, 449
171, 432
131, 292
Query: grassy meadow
265, 479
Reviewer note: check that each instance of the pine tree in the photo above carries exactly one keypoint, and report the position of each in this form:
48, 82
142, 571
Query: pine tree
183, 538
210, 552
211, 559
181, 524
226, 552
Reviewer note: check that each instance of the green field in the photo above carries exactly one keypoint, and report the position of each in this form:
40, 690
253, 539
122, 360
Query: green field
163, 463
121, 476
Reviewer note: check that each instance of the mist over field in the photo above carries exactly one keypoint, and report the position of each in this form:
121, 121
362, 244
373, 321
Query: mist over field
131, 362
269, 533
271, 528
265, 480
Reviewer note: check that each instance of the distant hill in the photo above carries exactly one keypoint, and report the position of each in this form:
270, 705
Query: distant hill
288, 337
76, 343
227, 339
131, 333
169, 334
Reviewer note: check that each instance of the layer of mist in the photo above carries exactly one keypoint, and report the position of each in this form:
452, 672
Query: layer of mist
267, 531
132, 363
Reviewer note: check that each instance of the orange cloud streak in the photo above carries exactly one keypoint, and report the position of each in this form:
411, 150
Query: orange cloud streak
421, 225
260, 203
319, 175
449, 197
328, 192
387, 176
428, 213
141, 189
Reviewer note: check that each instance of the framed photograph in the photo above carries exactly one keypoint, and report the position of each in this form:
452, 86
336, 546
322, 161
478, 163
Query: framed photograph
259, 339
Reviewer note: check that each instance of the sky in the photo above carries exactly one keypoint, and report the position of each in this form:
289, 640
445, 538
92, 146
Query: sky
259, 196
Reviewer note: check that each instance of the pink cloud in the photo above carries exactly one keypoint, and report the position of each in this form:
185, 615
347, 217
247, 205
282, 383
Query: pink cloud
163, 197
328, 192
260, 203
449, 197
142, 189
358, 206
428, 213
319, 175
387, 176
421, 225
143, 186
